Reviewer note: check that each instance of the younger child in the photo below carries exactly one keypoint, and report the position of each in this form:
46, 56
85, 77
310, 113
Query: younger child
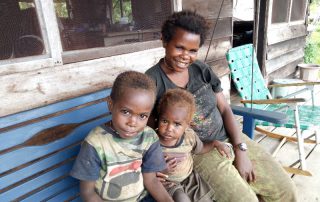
119, 158
179, 142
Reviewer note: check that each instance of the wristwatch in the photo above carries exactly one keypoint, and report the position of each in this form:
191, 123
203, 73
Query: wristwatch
242, 146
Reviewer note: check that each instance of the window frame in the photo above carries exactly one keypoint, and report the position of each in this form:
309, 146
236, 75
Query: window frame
55, 56
288, 22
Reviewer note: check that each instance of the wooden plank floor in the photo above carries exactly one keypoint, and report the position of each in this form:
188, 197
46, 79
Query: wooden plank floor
308, 187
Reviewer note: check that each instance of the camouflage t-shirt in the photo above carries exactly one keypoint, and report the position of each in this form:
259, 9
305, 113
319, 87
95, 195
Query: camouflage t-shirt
117, 164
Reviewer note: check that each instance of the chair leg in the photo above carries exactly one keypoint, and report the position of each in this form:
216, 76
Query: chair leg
300, 140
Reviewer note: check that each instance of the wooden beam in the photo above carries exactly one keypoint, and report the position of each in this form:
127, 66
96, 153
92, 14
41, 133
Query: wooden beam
210, 9
262, 36
278, 49
220, 67
276, 35
28, 90
26, 64
285, 71
279, 62
218, 49
94, 53
223, 28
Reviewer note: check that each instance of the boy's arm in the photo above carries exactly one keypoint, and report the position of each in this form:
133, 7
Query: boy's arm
155, 188
88, 193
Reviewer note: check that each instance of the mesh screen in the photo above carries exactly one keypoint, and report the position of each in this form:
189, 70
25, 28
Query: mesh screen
20, 34
103, 23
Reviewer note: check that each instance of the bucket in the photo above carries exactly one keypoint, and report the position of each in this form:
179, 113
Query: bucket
280, 92
309, 72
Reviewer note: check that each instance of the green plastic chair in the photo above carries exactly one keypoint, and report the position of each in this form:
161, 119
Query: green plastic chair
254, 92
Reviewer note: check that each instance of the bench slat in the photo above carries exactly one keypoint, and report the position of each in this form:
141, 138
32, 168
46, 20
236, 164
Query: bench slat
56, 188
53, 108
24, 155
22, 134
37, 183
38, 167
67, 195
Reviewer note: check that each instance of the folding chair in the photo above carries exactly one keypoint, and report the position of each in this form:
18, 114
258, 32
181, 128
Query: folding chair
250, 84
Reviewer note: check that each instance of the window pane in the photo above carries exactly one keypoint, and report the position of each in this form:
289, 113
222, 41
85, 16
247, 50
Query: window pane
20, 34
280, 10
87, 24
298, 10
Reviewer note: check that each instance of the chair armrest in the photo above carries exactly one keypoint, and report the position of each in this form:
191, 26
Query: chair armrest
294, 84
250, 115
274, 101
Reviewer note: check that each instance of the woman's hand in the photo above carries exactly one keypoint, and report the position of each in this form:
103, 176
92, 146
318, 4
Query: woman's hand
222, 148
244, 166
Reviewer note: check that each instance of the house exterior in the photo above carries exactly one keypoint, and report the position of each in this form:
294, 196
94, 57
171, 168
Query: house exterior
53, 50
280, 36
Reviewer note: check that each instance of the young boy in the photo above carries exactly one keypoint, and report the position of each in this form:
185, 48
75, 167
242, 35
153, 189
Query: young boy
118, 159
179, 142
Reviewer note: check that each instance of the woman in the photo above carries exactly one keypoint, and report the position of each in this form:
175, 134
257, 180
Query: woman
251, 172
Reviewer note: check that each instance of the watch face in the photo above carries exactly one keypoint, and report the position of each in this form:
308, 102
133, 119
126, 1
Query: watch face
243, 146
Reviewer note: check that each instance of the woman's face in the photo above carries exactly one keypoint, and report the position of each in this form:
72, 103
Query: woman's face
182, 50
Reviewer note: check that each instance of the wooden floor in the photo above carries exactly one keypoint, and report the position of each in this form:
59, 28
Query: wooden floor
308, 187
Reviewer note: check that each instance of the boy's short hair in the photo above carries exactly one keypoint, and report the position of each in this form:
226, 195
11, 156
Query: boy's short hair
131, 80
179, 98
187, 20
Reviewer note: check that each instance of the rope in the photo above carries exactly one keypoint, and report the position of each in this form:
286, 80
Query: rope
214, 28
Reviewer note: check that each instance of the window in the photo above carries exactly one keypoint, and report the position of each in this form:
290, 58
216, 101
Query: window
286, 11
298, 10
280, 10
85, 24
20, 30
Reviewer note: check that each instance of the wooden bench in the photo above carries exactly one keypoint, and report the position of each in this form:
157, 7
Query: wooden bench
38, 148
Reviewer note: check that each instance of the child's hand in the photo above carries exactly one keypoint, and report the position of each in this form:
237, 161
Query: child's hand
171, 164
163, 179
222, 148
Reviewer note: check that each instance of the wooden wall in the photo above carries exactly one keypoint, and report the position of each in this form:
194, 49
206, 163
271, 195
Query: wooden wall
28, 85
281, 46
285, 50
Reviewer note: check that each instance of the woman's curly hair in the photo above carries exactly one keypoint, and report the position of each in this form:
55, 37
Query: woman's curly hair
187, 20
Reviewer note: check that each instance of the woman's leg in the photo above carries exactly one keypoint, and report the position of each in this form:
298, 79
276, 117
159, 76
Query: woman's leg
272, 182
224, 178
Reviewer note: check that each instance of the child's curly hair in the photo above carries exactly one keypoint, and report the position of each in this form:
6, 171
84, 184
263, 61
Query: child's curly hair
179, 98
187, 20
131, 80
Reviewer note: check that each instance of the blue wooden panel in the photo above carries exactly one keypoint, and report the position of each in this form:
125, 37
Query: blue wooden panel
36, 183
24, 155
78, 199
44, 164
58, 188
68, 194
38, 162
19, 135
42, 111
